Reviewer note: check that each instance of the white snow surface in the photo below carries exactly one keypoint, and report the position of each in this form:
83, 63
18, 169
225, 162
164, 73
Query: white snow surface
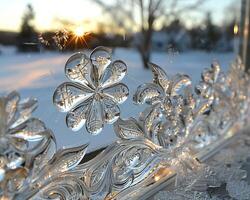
38, 74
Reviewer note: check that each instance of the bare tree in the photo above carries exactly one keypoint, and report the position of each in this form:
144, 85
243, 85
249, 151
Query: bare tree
141, 15
27, 35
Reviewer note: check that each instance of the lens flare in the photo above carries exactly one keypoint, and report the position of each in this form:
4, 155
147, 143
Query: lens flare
79, 37
79, 32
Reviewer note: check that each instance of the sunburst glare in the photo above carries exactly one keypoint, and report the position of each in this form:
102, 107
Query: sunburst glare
78, 31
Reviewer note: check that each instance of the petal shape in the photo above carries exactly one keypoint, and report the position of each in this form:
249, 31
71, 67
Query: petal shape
39, 146
76, 118
68, 95
11, 105
150, 119
94, 123
101, 58
78, 69
63, 161
66, 159
24, 111
42, 160
160, 76
148, 93
114, 73
111, 110
128, 129
31, 131
119, 92
180, 83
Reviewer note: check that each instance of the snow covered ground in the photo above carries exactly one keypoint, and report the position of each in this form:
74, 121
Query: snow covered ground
38, 74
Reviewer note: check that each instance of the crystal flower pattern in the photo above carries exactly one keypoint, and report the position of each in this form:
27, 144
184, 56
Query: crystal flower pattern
28, 156
170, 101
172, 109
21, 139
224, 93
172, 138
215, 89
177, 115
93, 96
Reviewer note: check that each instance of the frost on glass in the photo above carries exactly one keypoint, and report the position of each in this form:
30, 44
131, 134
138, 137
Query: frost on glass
224, 176
93, 95
178, 123
28, 157
178, 115
22, 137
171, 108
170, 104
122, 165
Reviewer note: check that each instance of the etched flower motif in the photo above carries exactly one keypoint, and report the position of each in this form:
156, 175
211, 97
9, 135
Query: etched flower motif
173, 112
209, 83
28, 157
163, 88
170, 101
172, 95
21, 138
216, 88
93, 96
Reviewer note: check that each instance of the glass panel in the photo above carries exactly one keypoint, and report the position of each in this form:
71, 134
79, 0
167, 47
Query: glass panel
38, 37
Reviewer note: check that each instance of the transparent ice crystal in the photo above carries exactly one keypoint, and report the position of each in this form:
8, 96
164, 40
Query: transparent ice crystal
28, 156
176, 115
173, 112
170, 104
177, 128
93, 96
22, 137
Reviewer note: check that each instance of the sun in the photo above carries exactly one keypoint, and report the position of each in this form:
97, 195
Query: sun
79, 36
79, 32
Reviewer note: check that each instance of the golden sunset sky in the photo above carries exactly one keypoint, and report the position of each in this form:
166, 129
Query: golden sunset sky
82, 13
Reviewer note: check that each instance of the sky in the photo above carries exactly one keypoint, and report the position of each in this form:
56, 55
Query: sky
46, 11
82, 11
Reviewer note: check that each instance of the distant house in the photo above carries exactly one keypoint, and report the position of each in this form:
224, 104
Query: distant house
162, 40
179, 39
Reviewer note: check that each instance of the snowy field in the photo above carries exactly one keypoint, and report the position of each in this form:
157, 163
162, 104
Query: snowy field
38, 74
